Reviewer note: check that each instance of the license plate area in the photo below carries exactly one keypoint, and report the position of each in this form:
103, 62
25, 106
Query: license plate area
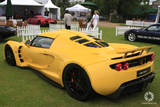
143, 72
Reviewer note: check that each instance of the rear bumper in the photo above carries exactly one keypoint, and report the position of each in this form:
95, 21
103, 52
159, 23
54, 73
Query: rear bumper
134, 85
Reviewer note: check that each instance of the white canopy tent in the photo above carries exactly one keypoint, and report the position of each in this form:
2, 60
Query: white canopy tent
54, 10
20, 5
80, 11
158, 16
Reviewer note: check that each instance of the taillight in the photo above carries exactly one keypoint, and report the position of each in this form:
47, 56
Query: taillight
118, 66
152, 57
125, 66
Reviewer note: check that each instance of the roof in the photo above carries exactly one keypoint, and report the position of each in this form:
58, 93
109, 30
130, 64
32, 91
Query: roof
22, 3
70, 33
78, 7
77, 37
157, 24
49, 4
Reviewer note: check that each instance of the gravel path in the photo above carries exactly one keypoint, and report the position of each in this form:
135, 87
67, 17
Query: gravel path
101, 23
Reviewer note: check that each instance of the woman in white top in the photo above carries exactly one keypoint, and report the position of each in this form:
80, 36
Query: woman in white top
95, 19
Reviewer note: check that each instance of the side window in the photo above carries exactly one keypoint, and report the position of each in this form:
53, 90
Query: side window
35, 17
153, 28
42, 42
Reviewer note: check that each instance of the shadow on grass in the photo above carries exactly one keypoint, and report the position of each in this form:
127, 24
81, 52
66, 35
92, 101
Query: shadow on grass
149, 41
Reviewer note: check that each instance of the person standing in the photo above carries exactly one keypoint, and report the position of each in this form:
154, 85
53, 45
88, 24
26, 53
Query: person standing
67, 20
95, 19
46, 13
32, 13
25, 14
89, 17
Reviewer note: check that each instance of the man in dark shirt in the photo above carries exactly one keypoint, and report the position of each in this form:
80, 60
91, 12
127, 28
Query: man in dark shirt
25, 14
46, 13
32, 13
89, 17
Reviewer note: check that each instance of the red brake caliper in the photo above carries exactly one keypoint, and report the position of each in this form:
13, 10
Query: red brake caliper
73, 80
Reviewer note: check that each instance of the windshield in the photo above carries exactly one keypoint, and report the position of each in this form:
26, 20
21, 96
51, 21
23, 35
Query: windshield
46, 17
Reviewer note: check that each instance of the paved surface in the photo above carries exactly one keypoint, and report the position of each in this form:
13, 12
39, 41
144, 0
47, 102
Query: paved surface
101, 23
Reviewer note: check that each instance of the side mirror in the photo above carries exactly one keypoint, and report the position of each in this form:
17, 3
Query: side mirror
27, 43
146, 29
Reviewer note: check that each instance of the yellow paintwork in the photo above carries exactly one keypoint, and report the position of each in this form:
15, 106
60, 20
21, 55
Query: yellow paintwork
95, 61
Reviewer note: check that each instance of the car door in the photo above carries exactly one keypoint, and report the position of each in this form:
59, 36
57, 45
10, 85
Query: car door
37, 52
157, 34
147, 33
33, 20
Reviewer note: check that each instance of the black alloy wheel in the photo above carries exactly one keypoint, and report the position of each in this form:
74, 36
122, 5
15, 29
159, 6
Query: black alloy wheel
77, 82
9, 56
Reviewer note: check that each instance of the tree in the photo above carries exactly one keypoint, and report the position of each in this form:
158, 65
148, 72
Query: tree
107, 7
63, 4
126, 7
54, 1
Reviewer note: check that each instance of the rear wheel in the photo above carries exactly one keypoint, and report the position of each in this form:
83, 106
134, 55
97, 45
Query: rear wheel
9, 56
132, 37
77, 83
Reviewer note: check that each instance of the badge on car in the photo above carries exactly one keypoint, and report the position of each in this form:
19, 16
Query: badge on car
142, 72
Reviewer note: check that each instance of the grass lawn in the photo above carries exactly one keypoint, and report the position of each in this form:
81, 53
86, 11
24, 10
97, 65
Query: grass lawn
23, 88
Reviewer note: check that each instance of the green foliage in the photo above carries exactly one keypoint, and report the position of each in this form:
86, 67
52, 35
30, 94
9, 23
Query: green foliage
126, 7
117, 19
75, 2
63, 4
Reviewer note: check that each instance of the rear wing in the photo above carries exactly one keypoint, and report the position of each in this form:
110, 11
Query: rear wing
125, 52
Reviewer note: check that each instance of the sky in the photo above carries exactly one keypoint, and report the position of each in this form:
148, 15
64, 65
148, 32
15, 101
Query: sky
44, 1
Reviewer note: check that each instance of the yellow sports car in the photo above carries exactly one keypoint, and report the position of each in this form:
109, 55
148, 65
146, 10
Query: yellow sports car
84, 64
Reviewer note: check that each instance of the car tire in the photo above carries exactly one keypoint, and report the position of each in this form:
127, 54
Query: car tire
132, 37
1, 38
9, 56
39, 23
77, 82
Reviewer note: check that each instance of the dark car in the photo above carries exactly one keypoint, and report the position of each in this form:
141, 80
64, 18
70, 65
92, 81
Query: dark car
151, 33
41, 20
101, 18
6, 31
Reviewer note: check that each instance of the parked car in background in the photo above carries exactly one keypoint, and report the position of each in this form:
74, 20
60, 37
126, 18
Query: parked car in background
41, 20
151, 33
6, 31
84, 64
101, 18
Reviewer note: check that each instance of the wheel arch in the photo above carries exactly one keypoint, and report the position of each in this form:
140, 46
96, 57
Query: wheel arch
69, 64
134, 33
14, 46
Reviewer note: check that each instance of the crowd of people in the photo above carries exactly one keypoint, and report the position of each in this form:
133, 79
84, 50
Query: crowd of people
25, 14
92, 21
